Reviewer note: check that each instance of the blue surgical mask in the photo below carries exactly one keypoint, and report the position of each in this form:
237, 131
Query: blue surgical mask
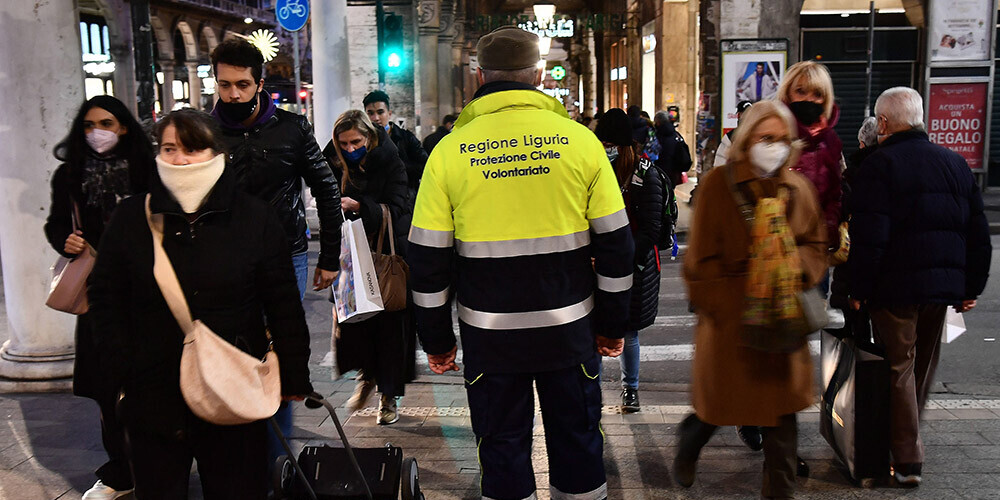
388, 126
356, 155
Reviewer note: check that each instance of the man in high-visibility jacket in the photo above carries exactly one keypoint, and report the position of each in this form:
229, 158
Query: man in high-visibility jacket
526, 202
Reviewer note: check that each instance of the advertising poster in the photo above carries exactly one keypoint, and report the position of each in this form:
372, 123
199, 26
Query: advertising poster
960, 30
751, 71
957, 119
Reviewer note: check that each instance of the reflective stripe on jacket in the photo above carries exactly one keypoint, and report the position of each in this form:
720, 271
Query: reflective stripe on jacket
522, 197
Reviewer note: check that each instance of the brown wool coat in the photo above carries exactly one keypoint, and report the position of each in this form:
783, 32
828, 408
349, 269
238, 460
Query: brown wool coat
732, 384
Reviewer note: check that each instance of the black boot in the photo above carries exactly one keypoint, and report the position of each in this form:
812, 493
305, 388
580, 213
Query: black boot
751, 436
630, 400
692, 435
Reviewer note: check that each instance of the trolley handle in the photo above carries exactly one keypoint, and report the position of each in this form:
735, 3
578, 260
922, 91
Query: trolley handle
316, 400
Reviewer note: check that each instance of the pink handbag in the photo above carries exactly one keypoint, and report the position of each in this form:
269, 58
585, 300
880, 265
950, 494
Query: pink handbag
68, 289
220, 383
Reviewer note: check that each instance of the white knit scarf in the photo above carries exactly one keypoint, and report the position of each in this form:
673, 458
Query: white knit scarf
190, 184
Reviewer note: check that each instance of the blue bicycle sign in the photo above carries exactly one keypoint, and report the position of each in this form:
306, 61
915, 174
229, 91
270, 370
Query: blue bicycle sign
292, 14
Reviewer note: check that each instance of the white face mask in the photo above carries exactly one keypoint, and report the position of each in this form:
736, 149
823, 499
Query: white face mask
190, 184
769, 157
101, 140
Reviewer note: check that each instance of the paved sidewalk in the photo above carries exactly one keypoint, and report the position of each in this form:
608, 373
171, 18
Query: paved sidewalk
49, 445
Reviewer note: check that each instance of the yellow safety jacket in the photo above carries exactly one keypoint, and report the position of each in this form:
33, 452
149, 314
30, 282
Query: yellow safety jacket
523, 198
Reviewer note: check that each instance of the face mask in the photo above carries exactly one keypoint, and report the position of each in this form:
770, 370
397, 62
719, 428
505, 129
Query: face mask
190, 184
101, 140
806, 112
356, 155
239, 111
612, 152
769, 157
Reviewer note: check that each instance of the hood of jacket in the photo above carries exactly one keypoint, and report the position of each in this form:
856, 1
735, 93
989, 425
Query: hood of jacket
507, 100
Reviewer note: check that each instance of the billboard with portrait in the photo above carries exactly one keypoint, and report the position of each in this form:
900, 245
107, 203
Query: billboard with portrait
961, 30
751, 71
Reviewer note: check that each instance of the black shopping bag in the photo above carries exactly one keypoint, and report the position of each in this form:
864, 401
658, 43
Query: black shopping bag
854, 413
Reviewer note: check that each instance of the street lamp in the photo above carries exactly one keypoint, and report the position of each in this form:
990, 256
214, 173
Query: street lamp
544, 12
544, 44
248, 20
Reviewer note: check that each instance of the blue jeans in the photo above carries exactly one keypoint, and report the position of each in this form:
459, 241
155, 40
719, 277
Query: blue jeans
284, 415
630, 360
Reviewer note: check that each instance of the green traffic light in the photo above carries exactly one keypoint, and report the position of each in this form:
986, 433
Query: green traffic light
394, 61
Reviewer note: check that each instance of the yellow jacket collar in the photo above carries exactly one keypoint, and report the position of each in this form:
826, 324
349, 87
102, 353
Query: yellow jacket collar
507, 100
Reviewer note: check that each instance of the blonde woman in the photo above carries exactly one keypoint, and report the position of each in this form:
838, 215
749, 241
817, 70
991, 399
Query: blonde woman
807, 90
733, 384
382, 348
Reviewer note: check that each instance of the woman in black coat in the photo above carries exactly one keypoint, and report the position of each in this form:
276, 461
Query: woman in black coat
383, 347
106, 157
232, 259
642, 186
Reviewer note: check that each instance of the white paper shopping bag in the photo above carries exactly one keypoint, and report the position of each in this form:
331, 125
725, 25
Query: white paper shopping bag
356, 293
954, 326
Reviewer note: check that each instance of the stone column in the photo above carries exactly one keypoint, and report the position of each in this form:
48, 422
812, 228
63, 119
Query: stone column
428, 24
124, 77
167, 68
42, 41
445, 71
331, 80
194, 85
458, 76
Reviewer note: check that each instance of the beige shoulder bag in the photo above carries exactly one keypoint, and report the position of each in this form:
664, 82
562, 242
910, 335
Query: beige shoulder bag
220, 383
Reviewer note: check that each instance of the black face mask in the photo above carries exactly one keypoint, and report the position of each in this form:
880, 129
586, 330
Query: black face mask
806, 112
239, 111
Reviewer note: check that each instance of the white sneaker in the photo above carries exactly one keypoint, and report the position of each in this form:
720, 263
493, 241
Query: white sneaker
102, 492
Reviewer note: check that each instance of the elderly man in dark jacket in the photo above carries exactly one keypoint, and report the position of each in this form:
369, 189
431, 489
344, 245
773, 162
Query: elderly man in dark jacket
919, 244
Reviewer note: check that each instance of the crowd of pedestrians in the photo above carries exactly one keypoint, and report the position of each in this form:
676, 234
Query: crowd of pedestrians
542, 233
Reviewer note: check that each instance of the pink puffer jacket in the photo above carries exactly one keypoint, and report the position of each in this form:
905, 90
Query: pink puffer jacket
821, 164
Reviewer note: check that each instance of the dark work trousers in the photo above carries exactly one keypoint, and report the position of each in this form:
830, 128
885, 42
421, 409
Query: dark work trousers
780, 451
232, 461
115, 472
503, 410
911, 335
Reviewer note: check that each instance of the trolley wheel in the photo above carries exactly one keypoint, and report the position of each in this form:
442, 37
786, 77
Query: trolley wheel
282, 477
410, 478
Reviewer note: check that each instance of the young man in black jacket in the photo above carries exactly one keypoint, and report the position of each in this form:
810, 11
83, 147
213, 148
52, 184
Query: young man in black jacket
920, 243
271, 151
410, 150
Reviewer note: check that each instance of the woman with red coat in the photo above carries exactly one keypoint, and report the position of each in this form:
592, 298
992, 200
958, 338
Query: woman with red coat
807, 90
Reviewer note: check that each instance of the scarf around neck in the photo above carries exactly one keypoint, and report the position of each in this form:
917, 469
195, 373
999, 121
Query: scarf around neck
191, 184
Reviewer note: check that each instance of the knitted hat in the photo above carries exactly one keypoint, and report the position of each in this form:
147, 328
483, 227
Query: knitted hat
614, 127
508, 48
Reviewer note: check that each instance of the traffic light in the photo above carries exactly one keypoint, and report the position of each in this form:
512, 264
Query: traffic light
393, 57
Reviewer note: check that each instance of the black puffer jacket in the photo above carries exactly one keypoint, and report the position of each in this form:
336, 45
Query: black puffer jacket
235, 268
271, 159
381, 181
644, 205
918, 231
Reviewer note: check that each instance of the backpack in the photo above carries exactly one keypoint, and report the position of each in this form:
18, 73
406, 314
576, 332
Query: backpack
651, 149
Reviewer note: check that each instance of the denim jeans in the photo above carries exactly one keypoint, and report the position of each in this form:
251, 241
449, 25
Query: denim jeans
630, 360
284, 415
